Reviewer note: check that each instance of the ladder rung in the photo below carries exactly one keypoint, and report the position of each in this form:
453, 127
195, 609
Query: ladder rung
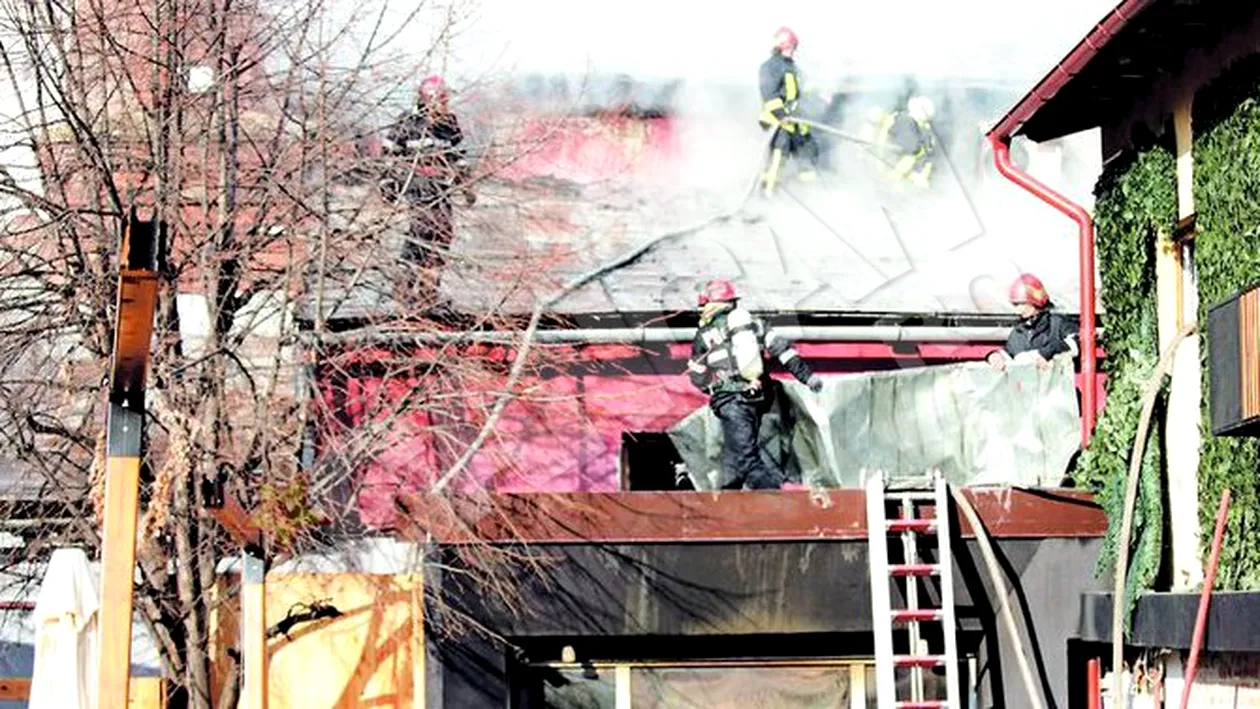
921, 526
913, 484
914, 569
918, 615
929, 704
918, 660
912, 496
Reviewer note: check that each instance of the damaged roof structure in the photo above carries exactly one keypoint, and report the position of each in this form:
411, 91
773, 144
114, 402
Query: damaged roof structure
579, 171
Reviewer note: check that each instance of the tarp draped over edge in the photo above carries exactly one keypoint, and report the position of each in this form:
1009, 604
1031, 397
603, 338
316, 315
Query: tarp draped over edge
977, 425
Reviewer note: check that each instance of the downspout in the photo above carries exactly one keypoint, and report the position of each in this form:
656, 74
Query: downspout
1085, 226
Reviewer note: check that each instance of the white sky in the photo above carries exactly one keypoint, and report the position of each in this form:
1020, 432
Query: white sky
726, 39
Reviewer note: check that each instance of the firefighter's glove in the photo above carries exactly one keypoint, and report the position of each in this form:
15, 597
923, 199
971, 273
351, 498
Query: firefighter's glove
815, 383
998, 360
753, 392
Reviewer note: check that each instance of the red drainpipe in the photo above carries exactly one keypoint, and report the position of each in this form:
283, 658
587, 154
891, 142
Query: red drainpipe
1085, 224
1045, 90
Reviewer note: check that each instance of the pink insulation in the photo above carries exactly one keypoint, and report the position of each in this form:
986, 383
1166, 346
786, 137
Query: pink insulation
563, 436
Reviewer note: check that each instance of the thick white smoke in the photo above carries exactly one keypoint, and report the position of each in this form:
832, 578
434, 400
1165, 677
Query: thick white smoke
722, 40
958, 246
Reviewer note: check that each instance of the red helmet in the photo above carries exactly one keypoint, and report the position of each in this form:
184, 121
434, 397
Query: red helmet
1029, 289
785, 40
717, 290
433, 87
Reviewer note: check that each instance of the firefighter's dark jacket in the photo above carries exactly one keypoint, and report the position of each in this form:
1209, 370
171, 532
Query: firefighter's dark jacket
1047, 333
432, 139
780, 90
911, 137
726, 355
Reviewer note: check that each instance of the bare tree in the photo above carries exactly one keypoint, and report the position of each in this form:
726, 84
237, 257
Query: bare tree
244, 128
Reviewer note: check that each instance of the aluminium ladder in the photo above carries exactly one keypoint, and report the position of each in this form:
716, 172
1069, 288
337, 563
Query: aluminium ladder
910, 527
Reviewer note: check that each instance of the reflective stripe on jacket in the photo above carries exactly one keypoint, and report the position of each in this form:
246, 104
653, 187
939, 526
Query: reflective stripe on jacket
726, 354
780, 92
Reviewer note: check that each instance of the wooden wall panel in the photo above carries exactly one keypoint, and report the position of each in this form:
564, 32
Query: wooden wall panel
1249, 353
370, 656
146, 692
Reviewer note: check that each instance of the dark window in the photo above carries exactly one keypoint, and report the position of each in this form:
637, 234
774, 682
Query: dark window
649, 461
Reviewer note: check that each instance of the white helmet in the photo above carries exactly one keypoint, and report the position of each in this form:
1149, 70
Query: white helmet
921, 108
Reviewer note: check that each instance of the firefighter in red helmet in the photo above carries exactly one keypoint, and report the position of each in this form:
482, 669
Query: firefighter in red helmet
780, 99
1041, 334
728, 363
433, 90
429, 167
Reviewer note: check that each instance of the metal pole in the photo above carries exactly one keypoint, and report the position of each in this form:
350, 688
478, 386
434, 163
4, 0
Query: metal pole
1093, 682
1200, 620
641, 335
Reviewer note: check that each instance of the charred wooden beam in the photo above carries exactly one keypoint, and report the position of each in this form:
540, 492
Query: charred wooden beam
133, 337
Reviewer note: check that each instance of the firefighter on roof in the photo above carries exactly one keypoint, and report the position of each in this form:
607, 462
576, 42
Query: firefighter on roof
430, 168
780, 96
906, 136
1041, 334
727, 363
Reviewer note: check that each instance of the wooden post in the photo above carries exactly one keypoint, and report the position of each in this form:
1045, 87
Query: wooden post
419, 644
1178, 304
133, 337
118, 555
253, 629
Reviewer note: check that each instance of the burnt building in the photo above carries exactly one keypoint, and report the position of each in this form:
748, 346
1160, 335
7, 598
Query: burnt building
628, 588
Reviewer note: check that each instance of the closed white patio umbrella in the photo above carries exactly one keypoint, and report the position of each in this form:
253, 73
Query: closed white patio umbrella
65, 634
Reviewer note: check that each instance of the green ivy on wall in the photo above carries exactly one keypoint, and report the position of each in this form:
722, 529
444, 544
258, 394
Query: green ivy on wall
1226, 122
1136, 200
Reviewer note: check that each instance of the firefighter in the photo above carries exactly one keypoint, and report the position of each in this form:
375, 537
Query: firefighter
1041, 334
727, 363
906, 136
433, 166
780, 96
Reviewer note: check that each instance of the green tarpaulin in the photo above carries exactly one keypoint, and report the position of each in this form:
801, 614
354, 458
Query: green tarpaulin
977, 425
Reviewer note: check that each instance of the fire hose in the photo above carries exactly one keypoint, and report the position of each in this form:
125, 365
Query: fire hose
834, 131
995, 577
635, 254
872, 148
1130, 499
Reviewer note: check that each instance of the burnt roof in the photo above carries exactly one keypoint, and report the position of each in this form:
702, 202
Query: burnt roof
603, 93
854, 242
